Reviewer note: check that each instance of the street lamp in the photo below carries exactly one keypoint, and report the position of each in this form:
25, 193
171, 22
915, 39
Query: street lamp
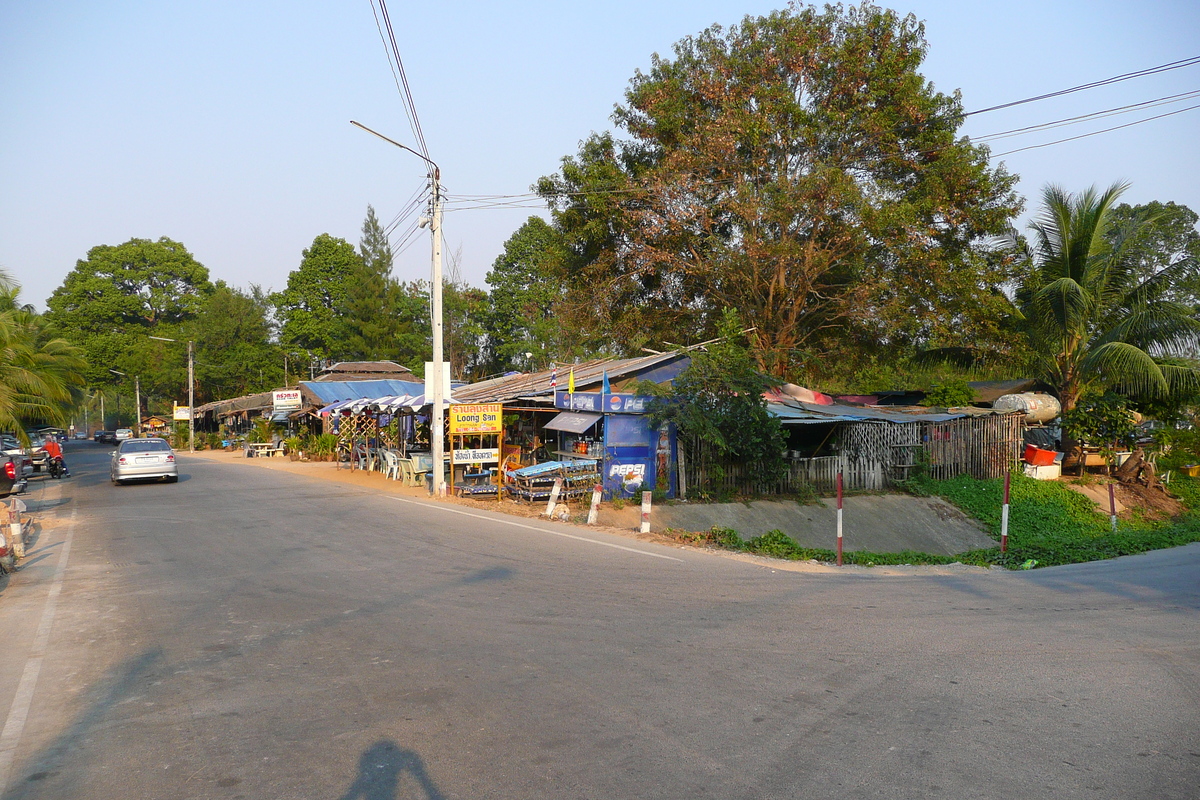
434, 221
191, 393
137, 387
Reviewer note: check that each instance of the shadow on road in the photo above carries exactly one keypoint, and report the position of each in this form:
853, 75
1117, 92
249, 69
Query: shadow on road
380, 770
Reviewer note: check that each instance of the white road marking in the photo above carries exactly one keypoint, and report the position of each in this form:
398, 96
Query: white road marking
533, 528
14, 725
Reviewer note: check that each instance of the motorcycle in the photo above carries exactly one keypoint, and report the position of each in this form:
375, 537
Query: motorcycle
57, 468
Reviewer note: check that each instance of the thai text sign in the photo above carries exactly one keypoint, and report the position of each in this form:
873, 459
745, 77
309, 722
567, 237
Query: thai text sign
483, 455
286, 399
483, 418
182, 413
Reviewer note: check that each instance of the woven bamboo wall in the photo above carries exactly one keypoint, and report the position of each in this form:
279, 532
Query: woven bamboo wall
874, 456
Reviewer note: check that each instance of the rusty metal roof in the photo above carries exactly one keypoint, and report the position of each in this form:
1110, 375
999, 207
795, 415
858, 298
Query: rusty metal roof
530, 385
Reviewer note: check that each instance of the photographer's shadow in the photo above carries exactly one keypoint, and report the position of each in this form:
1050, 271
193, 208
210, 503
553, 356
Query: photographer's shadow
380, 770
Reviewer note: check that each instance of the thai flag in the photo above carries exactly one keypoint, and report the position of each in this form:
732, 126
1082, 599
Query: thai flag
553, 376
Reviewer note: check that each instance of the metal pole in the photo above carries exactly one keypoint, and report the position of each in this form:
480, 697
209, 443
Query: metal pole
103, 422
137, 419
437, 419
1112, 506
839, 518
1004, 515
191, 401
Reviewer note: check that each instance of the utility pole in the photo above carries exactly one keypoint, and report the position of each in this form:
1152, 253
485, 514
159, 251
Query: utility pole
437, 424
103, 421
191, 401
437, 420
137, 420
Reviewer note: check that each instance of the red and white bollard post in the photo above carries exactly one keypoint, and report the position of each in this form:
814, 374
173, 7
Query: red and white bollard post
1004, 514
646, 511
595, 509
554, 497
1112, 506
839, 519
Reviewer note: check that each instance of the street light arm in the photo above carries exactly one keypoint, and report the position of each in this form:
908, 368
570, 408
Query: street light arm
436, 169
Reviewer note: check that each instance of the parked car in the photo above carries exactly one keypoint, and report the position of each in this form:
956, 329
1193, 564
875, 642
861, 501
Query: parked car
15, 464
143, 459
123, 433
80, 435
106, 436
12, 473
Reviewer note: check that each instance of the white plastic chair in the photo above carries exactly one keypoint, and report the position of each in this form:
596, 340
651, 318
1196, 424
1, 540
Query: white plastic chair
391, 468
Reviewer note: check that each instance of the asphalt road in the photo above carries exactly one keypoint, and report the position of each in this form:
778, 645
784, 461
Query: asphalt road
247, 633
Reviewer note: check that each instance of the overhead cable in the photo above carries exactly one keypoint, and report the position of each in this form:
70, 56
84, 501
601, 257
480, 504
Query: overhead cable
1186, 62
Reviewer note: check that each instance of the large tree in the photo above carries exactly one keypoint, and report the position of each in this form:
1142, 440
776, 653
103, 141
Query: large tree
524, 291
798, 168
119, 294
1095, 316
311, 309
1166, 235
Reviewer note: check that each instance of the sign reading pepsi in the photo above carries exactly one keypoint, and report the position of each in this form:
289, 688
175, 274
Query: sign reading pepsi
609, 403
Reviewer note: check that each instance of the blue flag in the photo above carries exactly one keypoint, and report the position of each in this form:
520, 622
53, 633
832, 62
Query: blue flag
604, 387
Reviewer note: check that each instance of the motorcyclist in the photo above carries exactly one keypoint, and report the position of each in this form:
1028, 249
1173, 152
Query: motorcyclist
54, 453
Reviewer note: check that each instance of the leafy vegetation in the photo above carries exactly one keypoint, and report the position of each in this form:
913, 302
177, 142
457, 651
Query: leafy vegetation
717, 401
1101, 420
952, 393
798, 168
1096, 317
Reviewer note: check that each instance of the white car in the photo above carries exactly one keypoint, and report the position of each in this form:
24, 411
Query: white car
143, 459
123, 434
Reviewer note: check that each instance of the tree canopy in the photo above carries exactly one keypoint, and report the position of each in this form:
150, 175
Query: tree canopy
40, 374
311, 309
798, 168
1095, 316
118, 293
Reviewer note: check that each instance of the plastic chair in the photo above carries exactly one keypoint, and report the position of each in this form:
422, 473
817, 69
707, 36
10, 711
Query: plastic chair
405, 468
391, 465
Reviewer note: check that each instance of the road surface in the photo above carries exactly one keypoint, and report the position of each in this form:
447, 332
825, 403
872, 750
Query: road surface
247, 633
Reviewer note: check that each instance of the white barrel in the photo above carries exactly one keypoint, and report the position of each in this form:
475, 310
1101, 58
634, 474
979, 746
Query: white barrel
1037, 406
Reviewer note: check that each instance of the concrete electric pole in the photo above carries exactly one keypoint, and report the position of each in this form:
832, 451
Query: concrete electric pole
437, 420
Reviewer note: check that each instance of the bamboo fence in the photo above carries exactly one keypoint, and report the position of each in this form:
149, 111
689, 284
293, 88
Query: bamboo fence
875, 456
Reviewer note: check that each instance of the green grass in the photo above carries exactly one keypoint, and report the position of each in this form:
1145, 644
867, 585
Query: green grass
1048, 524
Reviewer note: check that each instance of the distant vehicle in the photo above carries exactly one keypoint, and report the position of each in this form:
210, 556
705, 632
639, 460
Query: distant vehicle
80, 435
143, 459
106, 436
37, 452
123, 433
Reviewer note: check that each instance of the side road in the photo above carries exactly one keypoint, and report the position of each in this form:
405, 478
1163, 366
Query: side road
889, 523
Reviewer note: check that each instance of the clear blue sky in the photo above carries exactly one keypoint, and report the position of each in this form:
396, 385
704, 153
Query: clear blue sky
225, 125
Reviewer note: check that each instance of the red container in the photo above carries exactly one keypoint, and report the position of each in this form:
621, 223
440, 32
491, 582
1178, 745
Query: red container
1038, 457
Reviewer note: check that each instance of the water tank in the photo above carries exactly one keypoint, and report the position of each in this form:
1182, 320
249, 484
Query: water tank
1038, 407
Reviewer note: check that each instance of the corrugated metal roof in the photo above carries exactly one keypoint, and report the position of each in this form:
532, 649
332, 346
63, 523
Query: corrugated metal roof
797, 412
587, 374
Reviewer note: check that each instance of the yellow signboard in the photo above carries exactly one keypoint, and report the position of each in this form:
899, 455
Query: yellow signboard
484, 418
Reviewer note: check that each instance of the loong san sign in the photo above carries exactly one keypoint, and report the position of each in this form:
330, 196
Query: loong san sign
480, 418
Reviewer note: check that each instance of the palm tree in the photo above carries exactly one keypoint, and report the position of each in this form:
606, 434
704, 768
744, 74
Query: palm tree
1092, 320
39, 377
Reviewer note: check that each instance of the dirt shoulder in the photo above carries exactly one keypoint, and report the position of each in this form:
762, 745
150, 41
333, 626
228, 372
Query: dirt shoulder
623, 521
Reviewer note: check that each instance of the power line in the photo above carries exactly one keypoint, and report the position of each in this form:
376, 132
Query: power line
1161, 101
392, 50
1094, 133
1186, 62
